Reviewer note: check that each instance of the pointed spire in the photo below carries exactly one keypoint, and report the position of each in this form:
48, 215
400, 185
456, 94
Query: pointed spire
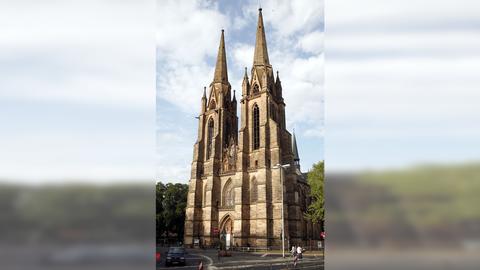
278, 77
234, 98
260, 56
204, 100
221, 66
296, 158
245, 78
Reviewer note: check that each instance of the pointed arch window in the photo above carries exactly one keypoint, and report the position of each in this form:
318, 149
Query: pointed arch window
256, 127
255, 89
228, 195
210, 137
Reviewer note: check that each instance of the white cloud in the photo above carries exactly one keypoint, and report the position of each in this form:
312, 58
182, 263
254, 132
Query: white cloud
243, 55
312, 42
188, 32
302, 83
289, 17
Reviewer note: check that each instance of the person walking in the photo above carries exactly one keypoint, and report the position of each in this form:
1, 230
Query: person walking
293, 251
299, 252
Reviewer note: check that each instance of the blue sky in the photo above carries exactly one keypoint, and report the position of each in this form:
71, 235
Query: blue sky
295, 44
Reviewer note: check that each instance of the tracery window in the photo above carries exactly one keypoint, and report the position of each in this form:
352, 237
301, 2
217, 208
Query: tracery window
255, 89
209, 137
256, 127
228, 195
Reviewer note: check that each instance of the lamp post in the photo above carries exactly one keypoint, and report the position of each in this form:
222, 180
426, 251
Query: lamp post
281, 168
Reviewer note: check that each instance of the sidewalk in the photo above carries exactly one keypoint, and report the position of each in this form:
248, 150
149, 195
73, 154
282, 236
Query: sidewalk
314, 253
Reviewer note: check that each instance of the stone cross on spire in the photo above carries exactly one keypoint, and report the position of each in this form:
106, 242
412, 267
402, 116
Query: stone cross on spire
260, 56
221, 66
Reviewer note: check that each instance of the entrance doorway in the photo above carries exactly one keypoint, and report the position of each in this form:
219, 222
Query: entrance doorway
226, 232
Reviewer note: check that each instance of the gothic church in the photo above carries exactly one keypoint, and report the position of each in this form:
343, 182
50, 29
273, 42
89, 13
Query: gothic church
235, 189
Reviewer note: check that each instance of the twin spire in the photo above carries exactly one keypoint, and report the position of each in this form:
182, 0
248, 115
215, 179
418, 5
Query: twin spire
221, 74
260, 56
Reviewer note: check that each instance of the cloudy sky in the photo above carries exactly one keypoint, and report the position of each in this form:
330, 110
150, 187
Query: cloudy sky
188, 35
78, 82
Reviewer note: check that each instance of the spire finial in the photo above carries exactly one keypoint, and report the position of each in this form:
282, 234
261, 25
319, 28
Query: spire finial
296, 158
260, 56
221, 65
205, 92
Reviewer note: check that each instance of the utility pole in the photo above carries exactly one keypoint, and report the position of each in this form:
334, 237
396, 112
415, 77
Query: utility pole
281, 168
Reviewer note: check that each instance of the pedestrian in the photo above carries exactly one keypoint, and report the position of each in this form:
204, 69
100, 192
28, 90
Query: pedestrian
299, 252
295, 260
293, 251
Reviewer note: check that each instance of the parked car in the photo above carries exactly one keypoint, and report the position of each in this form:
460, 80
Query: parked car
175, 255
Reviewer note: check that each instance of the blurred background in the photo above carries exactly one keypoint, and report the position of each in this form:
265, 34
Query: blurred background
402, 139
77, 143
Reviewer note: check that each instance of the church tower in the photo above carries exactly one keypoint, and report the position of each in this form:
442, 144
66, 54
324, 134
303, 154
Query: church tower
214, 152
263, 142
236, 188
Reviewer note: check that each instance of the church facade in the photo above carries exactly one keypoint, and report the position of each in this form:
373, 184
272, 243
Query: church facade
235, 188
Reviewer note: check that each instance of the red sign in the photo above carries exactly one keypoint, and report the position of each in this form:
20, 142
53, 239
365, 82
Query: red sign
322, 234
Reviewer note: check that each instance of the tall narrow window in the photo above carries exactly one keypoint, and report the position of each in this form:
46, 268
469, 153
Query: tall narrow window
209, 137
256, 127
228, 195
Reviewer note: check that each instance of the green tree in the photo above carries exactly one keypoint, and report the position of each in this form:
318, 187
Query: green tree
171, 204
316, 209
160, 221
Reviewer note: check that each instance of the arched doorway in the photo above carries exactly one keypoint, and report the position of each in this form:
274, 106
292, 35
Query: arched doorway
226, 231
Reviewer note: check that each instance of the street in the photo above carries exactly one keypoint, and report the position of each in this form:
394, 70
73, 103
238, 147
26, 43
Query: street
240, 260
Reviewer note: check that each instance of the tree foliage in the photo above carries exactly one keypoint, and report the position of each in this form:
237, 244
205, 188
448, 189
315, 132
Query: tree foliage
316, 209
171, 201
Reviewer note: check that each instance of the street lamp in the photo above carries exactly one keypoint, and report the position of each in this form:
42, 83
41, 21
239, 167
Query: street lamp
281, 168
